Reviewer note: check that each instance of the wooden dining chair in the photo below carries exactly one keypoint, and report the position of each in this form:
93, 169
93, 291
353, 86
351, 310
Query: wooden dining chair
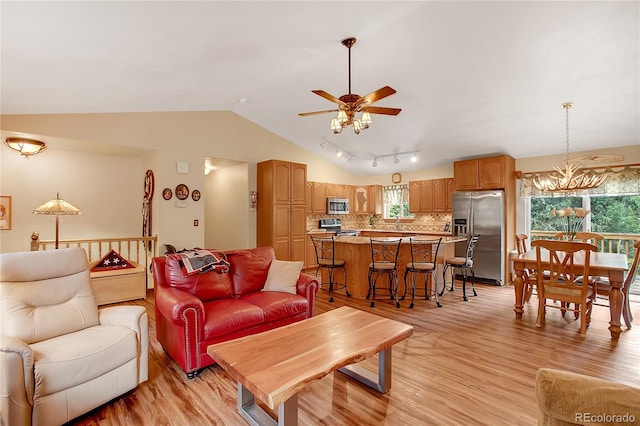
529, 274
585, 237
603, 286
567, 260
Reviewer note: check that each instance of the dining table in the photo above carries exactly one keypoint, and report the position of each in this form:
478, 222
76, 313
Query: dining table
611, 265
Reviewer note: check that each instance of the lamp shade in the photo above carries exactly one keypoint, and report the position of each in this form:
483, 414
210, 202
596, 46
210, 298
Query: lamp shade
57, 208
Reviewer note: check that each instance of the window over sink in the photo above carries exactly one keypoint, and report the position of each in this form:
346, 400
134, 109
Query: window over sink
396, 202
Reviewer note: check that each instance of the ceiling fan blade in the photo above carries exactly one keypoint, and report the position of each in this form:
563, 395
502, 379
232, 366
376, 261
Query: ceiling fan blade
377, 95
304, 114
381, 110
328, 97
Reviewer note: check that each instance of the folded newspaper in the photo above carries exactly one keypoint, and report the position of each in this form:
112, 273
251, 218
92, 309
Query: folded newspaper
197, 261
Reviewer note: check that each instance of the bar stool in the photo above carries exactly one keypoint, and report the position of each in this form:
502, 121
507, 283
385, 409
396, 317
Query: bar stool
464, 265
326, 259
424, 254
384, 261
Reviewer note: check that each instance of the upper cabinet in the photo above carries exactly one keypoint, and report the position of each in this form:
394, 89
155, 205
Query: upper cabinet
366, 199
317, 197
430, 196
483, 173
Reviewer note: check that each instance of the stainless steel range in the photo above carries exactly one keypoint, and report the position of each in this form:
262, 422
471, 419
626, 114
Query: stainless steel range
335, 225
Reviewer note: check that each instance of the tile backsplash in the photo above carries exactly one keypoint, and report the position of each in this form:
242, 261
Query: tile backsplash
421, 222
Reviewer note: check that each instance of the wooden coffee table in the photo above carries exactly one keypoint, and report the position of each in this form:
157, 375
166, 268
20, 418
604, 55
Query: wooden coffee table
275, 365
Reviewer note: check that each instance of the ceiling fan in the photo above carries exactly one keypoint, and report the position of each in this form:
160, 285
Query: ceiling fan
350, 104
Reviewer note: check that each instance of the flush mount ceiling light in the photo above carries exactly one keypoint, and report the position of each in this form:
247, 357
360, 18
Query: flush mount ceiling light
25, 146
568, 177
350, 104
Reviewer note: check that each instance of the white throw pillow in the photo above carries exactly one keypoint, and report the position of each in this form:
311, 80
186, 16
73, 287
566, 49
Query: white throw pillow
283, 276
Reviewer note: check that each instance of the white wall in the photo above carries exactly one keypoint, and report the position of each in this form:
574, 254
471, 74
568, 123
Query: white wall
107, 189
229, 224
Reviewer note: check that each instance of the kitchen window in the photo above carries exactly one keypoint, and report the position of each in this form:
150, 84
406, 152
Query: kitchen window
396, 202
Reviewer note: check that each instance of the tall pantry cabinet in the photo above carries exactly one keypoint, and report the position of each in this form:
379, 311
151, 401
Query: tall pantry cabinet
281, 210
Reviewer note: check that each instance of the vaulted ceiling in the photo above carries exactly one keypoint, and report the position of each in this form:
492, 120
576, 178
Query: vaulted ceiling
472, 78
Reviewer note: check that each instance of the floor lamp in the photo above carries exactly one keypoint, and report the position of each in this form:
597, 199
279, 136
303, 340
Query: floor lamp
58, 208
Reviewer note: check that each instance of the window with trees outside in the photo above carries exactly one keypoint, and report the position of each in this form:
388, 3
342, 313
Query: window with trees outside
396, 202
617, 217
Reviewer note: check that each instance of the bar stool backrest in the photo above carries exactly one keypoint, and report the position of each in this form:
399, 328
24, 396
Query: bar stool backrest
424, 250
325, 250
471, 245
385, 250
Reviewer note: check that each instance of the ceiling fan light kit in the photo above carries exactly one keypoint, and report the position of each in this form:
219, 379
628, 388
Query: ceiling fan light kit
350, 104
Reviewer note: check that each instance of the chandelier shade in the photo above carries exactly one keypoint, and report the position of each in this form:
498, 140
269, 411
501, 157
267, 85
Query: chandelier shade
25, 146
569, 177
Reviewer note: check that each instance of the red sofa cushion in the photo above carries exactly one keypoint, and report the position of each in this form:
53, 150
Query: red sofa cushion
205, 286
277, 305
249, 268
228, 316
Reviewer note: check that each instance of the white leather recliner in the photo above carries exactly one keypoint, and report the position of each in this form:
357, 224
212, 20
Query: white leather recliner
60, 356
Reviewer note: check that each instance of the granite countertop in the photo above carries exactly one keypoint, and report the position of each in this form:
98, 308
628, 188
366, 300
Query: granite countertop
433, 233
404, 231
405, 240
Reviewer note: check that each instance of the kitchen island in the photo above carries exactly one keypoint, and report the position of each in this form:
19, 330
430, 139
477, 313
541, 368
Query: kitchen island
356, 253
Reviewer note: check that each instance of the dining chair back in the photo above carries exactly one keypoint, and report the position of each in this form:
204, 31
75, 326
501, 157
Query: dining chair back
424, 256
604, 287
566, 261
529, 273
325, 248
384, 262
585, 237
464, 265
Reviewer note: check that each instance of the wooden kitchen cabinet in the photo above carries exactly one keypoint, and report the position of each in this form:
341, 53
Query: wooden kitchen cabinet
319, 197
367, 199
450, 188
282, 208
375, 199
483, 173
337, 190
430, 196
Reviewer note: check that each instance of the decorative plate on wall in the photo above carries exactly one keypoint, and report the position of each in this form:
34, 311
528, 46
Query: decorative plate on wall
182, 191
167, 193
396, 178
195, 195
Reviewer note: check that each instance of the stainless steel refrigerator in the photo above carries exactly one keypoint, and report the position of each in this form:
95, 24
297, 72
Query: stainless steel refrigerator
482, 213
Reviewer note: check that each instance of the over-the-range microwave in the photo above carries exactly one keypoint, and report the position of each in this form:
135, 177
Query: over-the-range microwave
337, 205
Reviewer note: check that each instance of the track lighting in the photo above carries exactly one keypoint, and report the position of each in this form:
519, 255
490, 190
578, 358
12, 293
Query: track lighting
396, 157
339, 151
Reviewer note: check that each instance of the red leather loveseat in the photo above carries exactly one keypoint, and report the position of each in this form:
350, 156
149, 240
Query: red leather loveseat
196, 311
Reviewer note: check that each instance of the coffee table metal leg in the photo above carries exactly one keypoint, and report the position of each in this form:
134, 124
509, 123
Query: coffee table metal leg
256, 416
381, 383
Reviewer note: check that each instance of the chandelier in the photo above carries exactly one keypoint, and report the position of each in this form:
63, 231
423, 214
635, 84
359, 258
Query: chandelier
569, 177
346, 118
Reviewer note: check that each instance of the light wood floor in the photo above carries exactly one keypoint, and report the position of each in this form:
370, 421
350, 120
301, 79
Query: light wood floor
467, 363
